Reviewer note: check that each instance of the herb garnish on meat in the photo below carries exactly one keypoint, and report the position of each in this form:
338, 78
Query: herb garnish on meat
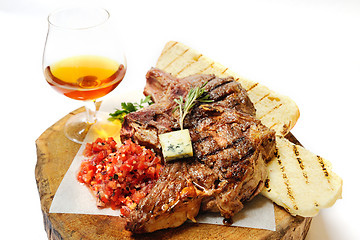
128, 107
197, 94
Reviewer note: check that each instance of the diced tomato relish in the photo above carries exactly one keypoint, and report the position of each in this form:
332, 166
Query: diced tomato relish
119, 176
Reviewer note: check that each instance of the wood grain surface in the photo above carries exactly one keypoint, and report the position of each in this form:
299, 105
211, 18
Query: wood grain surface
55, 154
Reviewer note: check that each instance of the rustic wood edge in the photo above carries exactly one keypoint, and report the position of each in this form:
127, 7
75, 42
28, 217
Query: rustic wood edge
298, 228
42, 153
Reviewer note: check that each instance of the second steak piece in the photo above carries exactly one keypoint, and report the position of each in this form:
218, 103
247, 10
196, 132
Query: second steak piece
230, 149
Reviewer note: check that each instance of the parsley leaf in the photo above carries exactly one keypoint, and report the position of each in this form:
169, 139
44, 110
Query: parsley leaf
128, 107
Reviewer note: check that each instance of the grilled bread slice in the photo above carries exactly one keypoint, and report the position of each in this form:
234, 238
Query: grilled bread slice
276, 111
300, 181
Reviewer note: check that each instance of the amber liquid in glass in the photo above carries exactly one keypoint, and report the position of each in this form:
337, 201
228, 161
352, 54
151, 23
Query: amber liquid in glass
85, 77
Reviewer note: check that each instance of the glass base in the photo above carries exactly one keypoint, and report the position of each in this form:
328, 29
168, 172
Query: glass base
77, 127
78, 130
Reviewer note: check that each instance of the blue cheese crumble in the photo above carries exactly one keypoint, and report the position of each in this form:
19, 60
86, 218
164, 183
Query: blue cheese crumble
176, 144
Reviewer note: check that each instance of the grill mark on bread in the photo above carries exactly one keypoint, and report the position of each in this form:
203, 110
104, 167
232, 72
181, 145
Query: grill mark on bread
271, 110
287, 183
224, 71
176, 58
168, 49
301, 164
266, 185
276, 153
197, 58
267, 181
206, 68
252, 87
322, 164
183, 69
189, 64
263, 97
272, 126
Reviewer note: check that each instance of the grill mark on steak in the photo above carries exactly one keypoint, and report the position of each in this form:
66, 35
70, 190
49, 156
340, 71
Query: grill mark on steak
227, 161
230, 88
217, 84
237, 141
176, 192
230, 149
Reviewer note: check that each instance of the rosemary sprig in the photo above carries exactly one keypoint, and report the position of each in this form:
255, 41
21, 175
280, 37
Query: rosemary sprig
197, 94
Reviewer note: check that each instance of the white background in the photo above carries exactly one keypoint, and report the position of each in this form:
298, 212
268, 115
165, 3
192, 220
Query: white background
308, 50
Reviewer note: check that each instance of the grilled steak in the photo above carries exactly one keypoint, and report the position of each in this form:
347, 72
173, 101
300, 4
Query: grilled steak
230, 149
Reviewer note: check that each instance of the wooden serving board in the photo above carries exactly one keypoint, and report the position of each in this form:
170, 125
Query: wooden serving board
54, 156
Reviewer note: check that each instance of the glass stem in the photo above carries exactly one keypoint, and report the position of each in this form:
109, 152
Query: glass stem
90, 107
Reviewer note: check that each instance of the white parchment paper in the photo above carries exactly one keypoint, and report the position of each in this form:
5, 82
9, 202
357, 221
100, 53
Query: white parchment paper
75, 198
